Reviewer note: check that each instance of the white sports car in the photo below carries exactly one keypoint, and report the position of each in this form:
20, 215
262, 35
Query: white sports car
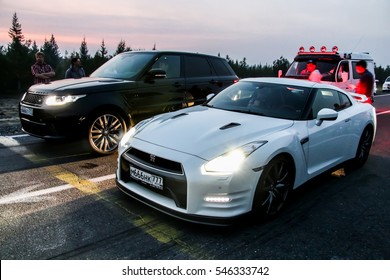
244, 150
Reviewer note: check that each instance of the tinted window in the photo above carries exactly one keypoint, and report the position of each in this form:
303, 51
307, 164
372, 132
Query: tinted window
170, 64
265, 99
197, 66
331, 99
344, 101
221, 67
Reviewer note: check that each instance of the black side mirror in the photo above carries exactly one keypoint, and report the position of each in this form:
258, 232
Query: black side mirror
156, 74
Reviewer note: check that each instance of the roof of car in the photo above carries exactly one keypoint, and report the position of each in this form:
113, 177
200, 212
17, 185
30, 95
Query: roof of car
171, 52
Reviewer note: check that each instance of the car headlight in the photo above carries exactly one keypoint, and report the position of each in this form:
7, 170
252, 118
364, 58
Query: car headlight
231, 161
59, 100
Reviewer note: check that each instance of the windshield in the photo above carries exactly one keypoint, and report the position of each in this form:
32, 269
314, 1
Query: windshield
123, 66
263, 99
326, 68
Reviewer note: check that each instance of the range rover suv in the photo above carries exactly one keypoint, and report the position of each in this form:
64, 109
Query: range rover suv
128, 88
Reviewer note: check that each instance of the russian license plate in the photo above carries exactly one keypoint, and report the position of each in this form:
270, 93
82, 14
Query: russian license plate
26, 110
145, 177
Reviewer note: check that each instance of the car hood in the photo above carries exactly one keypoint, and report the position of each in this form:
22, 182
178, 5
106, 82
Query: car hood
79, 85
208, 132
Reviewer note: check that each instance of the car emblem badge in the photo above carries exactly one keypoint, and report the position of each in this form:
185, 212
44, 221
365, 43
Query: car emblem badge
152, 158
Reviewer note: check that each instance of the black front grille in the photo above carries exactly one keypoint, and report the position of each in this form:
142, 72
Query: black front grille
34, 99
175, 182
154, 161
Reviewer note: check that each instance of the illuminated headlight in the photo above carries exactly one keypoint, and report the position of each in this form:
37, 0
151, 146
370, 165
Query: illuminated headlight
231, 161
58, 100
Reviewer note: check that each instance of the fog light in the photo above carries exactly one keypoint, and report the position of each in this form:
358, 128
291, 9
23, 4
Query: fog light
217, 199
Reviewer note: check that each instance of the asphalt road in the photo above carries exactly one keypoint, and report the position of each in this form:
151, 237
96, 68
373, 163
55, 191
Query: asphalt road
57, 201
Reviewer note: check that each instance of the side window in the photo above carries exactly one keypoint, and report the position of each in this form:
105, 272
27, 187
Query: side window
197, 66
355, 74
220, 67
325, 98
170, 64
344, 101
343, 72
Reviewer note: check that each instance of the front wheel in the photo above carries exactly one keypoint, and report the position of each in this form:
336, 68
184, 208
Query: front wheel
105, 131
274, 187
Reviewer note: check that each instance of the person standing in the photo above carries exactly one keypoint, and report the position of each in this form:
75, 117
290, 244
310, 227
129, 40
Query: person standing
75, 70
366, 82
41, 71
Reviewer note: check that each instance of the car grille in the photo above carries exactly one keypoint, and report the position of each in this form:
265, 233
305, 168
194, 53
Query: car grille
34, 98
175, 182
156, 162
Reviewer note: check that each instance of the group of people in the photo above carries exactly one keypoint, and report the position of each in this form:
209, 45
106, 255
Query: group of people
43, 72
366, 82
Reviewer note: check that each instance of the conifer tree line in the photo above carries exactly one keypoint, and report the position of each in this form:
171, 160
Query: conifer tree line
17, 57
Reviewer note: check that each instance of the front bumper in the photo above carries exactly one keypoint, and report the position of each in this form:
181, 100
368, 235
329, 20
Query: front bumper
186, 187
48, 124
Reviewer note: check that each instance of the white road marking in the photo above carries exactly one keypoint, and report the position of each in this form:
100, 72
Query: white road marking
24, 195
384, 112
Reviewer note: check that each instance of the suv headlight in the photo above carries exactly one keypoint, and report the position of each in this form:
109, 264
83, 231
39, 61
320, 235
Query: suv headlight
59, 100
231, 161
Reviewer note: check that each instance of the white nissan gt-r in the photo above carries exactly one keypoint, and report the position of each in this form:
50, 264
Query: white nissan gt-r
244, 150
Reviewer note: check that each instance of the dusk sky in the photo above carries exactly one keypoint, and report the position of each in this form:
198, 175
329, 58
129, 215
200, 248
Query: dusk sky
259, 30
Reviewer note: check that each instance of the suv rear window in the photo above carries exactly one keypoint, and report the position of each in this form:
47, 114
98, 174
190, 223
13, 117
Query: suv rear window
197, 66
220, 67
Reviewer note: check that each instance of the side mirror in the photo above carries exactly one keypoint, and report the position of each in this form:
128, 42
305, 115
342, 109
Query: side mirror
155, 74
326, 114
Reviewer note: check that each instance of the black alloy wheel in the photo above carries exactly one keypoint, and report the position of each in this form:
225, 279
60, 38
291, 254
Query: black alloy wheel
364, 147
274, 187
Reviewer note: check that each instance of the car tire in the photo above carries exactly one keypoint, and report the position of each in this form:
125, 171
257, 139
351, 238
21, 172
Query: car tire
274, 186
363, 148
105, 130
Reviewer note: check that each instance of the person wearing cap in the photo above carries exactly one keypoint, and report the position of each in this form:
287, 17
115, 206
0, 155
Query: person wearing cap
311, 71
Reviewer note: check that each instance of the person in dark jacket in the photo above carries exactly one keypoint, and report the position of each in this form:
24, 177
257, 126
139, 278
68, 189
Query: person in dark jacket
75, 70
366, 83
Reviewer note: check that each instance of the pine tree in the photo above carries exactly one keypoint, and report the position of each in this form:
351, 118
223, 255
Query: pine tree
122, 48
51, 51
15, 32
84, 56
103, 50
17, 61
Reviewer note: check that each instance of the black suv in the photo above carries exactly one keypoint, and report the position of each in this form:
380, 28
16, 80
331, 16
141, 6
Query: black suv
126, 89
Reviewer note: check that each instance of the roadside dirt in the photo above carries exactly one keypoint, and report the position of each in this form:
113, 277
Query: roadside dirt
9, 116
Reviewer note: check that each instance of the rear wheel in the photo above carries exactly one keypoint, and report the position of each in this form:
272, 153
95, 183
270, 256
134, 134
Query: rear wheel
364, 147
105, 131
274, 187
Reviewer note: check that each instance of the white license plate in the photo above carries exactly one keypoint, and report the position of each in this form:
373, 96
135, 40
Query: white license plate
26, 110
150, 179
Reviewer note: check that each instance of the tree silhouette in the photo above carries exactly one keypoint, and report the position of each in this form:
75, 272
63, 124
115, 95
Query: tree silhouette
17, 54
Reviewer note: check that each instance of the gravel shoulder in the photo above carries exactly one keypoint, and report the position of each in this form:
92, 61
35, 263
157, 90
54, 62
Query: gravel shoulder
9, 116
